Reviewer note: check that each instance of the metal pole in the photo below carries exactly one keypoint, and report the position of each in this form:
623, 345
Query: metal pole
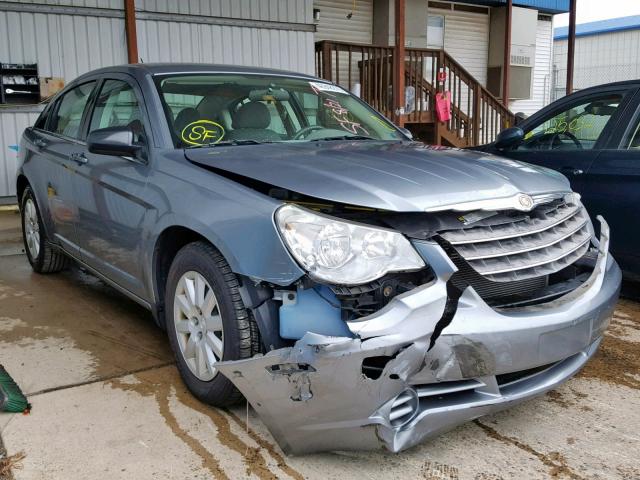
130, 30
506, 70
398, 81
571, 45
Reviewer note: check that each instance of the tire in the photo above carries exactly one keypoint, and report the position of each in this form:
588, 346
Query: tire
42, 256
195, 341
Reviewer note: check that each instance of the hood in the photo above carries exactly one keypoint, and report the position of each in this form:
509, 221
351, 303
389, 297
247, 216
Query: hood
402, 177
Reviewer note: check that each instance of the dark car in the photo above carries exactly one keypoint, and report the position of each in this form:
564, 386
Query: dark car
592, 137
358, 288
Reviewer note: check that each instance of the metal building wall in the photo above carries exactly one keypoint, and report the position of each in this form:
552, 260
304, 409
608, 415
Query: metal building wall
12, 122
70, 37
291, 11
604, 58
160, 41
281, 35
541, 88
62, 45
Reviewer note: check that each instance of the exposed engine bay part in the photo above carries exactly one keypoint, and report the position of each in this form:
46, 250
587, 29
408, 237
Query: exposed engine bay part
323, 394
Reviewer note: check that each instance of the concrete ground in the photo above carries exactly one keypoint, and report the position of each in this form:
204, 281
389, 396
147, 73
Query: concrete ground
108, 403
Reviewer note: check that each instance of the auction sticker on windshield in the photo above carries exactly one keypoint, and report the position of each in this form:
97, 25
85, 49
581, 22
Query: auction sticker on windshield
326, 87
202, 132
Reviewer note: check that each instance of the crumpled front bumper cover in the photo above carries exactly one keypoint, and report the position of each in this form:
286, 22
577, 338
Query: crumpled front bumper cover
314, 396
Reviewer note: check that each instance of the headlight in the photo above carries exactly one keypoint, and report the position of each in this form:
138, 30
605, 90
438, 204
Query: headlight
342, 252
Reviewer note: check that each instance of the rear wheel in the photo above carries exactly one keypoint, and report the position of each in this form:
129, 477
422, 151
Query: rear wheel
40, 253
207, 322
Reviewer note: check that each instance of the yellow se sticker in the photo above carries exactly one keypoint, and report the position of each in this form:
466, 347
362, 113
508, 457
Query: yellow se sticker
202, 132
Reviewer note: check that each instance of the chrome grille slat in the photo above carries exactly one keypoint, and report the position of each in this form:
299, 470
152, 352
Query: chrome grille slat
531, 265
447, 387
549, 239
510, 230
548, 242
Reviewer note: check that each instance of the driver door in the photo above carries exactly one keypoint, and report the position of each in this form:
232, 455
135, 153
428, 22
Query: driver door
569, 136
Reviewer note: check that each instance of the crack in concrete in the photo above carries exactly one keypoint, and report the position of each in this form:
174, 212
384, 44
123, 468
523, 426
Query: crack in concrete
554, 460
98, 380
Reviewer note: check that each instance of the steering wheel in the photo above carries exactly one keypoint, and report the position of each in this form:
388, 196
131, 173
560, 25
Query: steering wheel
305, 131
569, 135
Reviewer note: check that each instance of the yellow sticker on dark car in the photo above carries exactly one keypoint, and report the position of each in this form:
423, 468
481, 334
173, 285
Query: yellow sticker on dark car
202, 132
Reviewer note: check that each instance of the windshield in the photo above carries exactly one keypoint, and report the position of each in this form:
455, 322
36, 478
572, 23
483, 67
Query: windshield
235, 109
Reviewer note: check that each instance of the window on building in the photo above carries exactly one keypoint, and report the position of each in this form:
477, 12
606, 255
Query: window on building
435, 31
69, 110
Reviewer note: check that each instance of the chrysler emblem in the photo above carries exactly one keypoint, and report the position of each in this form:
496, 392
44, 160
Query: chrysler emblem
525, 201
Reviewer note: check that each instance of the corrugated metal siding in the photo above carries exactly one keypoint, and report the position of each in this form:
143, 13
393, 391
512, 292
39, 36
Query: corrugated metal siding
466, 38
334, 24
187, 42
69, 45
113, 4
12, 124
62, 45
540, 95
295, 11
599, 59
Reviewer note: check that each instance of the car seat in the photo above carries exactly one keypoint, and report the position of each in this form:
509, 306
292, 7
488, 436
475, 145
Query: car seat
185, 117
251, 122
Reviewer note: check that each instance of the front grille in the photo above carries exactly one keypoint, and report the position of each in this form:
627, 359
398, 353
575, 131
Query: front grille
545, 241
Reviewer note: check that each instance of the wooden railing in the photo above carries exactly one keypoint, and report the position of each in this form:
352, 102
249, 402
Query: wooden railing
476, 115
351, 64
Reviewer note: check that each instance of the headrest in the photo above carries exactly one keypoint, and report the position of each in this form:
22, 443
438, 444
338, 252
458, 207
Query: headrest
185, 117
252, 115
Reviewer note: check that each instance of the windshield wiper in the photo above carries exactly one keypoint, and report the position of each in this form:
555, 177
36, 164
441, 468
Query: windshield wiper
343, 137
226, 143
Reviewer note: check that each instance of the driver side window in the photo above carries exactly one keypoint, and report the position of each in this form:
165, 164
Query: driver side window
576, 128
117, 106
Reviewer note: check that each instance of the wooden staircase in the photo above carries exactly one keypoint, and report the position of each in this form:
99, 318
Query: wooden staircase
476, 115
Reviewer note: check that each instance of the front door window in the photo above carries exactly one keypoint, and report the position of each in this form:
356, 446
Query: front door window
117, 106
577, 127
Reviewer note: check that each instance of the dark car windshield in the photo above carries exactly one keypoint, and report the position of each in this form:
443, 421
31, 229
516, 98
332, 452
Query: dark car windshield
237, 109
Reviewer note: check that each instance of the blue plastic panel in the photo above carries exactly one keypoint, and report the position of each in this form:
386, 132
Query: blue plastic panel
314, 310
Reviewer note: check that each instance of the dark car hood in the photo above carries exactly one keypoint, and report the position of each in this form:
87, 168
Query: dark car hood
402, 177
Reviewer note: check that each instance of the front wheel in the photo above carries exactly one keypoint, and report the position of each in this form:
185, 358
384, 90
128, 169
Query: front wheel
207, 322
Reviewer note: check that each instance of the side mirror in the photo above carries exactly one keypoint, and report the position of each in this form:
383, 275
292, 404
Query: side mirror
509, 137
406, 132
113, 141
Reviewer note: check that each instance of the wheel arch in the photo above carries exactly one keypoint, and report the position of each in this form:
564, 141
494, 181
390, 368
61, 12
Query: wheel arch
21, 184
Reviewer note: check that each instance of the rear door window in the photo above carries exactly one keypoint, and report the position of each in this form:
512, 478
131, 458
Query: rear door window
69, 110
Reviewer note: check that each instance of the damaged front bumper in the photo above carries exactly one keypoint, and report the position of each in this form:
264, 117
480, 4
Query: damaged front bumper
316, 396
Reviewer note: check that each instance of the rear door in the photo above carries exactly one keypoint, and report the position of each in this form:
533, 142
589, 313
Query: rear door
613, 189
113, 208
571, 134
55, 149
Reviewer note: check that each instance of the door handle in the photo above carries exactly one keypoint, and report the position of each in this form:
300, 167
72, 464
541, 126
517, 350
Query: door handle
79, 158
572, 170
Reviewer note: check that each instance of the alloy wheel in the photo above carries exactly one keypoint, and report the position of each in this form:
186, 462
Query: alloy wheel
32, 228
198, 323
